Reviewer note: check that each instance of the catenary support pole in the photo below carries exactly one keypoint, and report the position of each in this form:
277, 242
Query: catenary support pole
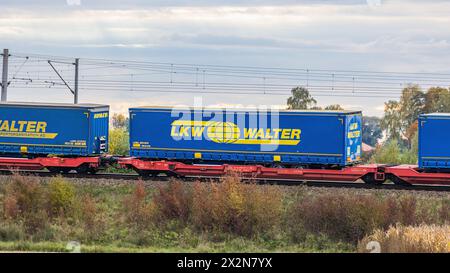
5, 75
75, 98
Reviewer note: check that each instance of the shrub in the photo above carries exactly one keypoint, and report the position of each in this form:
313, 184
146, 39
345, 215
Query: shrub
409, 239
349, 217
88, 212
24, 202
11, 232
173, 201
61, 196
118, 142
92, 219
226, 207
444, 212
340, 217
10, 207
137, 211
235, 207
24, 195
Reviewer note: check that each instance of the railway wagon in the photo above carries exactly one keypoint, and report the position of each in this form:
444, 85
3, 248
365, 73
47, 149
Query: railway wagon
57, 129
273, 138
434, 141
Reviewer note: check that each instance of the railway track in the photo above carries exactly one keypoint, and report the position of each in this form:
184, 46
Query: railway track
328, 184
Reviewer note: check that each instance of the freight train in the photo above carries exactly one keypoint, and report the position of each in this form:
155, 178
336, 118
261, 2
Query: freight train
297, 145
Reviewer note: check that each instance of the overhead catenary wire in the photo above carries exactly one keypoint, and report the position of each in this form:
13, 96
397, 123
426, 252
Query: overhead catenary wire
146, 76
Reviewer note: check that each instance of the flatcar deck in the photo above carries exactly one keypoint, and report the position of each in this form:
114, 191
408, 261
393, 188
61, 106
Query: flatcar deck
372, 174
51, 163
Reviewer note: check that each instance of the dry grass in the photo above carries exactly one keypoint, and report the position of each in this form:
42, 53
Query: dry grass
410, 239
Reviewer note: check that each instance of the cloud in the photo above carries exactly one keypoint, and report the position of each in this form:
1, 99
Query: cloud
398, 35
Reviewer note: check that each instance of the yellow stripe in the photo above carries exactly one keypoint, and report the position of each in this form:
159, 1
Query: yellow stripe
29, 135
46, 145
245, 152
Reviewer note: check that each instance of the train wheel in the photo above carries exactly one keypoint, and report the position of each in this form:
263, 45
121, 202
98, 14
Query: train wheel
92, 171
63, 170
370, 179
85, 169
147, 173
398, 181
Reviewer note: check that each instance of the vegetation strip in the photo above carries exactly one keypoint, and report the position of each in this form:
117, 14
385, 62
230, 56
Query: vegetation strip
43, 214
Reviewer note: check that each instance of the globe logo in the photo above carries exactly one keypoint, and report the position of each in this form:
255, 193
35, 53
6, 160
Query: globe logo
223, 132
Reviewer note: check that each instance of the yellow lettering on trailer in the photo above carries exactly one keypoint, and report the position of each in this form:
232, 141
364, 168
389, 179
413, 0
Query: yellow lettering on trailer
228, 132
31, 126
25, 129
100, 115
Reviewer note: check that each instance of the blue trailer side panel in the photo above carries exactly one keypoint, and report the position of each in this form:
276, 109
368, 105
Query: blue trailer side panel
62, 129
295, 137
434, 142
99, 131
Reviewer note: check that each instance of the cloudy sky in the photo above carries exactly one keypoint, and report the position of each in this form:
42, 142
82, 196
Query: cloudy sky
354, 35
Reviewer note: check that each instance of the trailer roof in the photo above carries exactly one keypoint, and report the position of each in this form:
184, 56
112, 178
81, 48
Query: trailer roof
62, 105
436, 115
244, 109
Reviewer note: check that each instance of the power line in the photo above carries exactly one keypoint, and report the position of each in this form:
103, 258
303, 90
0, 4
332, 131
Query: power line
221, 79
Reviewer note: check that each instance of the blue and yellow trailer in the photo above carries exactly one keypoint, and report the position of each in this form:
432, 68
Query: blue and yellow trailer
299, 138
57, 129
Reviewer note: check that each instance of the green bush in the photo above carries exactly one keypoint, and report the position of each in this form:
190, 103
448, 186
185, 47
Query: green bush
61, 196
118, 142
392, 153
11, 232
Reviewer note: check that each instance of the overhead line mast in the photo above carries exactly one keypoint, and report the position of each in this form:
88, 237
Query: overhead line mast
5, 82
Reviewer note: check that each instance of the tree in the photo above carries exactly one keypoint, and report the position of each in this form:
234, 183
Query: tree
437, 99
411, 131
335, 107
120, 121
412, 103
371, 130
392, 122
399, 117
300, 99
